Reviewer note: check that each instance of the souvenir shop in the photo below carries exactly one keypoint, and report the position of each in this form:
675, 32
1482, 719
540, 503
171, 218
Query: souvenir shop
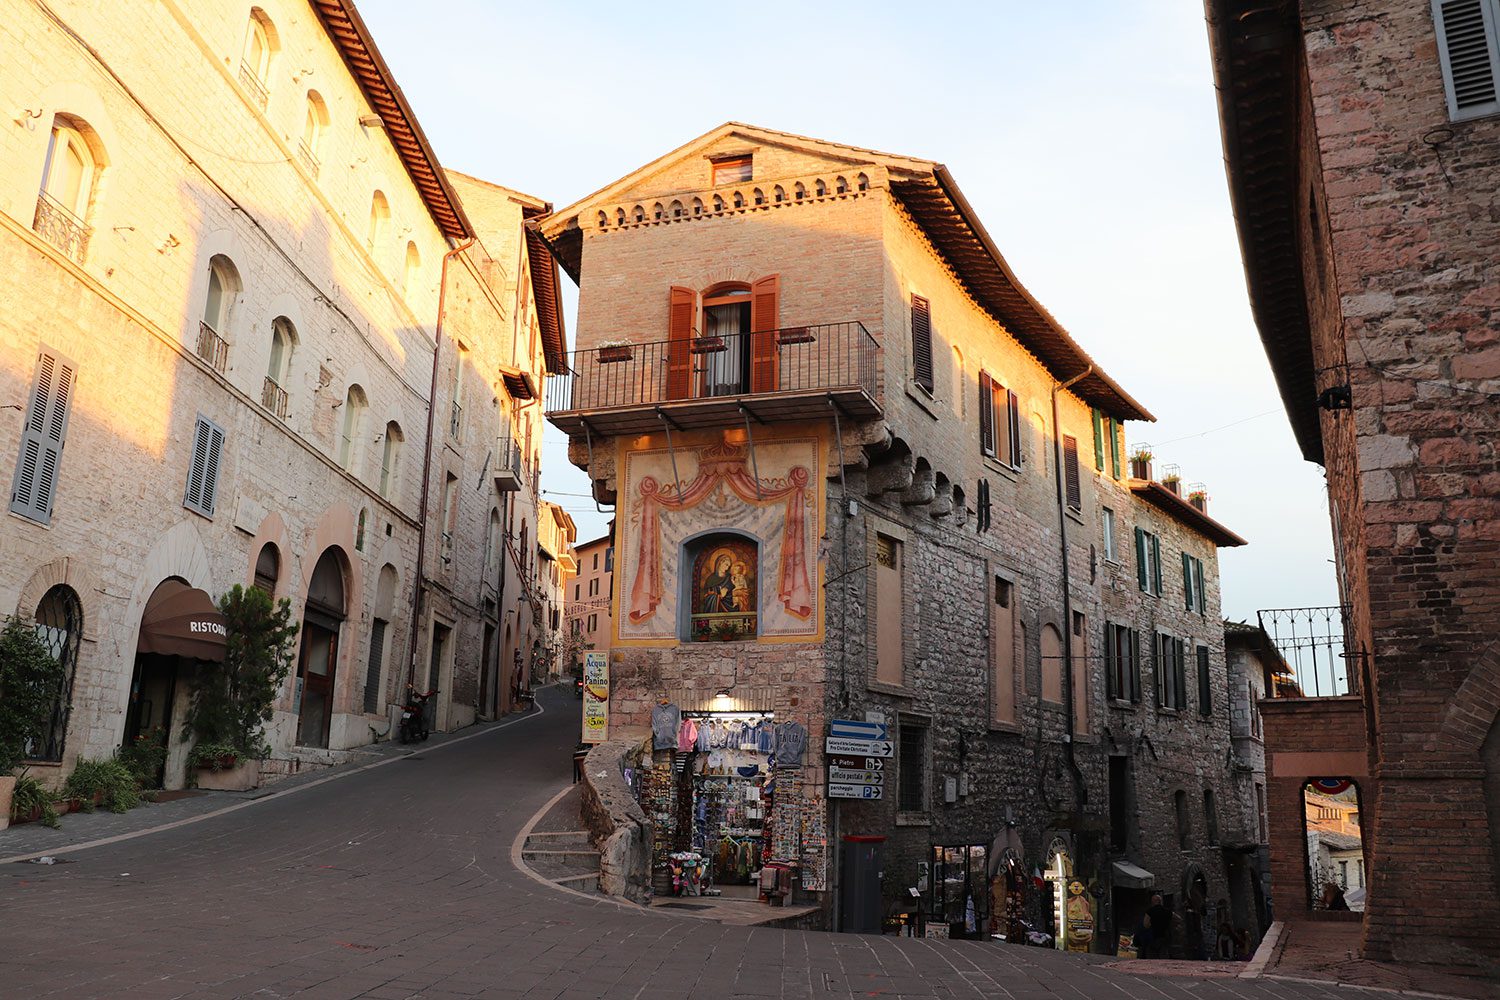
711, 792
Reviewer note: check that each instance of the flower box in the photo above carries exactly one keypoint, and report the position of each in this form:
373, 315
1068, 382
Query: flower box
796, 335
708, 345
615, 353
238, 777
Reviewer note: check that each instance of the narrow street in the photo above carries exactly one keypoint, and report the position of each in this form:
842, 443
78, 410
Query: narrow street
397, 882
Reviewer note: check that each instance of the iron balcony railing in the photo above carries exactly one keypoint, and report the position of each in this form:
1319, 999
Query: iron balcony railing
60, 227
766, 362
508, 473
308, 157
1318, 657
254, 85
273, 397
212, 348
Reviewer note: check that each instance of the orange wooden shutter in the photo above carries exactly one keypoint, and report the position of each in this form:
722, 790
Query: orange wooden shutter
680, 343
764, 353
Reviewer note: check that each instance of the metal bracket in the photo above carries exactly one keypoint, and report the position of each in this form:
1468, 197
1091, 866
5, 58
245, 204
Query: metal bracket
667, 423
588, 440
750, 439
838, 436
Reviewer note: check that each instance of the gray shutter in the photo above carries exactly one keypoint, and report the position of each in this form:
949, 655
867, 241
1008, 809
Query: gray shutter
1141, 574
42, 438
1111, 662
1469, 51
1133, 649
377, 659
1187, 581
921, 343
203, 473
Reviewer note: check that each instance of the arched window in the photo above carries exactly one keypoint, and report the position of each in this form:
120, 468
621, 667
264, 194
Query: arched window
779, 193
1210, 817
718, 203
313, 126
840, 185
283, 340
697, 206
739, 200
657, 212
268, 568
59, 624
862, 182
676, 209
619, 217
74, 159
380, 221
359, 529
723, 592
390, 460
639, 213
759, 195
799, 191
820, 188
1184, 821
411, 274
218, 311
603, 219
354, 412
492, 542
261, 44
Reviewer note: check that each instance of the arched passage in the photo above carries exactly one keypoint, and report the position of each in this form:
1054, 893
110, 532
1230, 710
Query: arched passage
317, 661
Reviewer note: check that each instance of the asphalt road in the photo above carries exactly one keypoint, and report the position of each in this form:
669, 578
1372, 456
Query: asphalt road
397, 882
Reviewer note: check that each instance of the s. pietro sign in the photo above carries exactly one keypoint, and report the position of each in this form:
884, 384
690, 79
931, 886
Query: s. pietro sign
595, 697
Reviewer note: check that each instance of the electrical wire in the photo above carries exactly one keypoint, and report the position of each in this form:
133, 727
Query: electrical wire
1215, 430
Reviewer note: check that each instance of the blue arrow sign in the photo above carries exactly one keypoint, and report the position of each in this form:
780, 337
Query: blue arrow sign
852, 729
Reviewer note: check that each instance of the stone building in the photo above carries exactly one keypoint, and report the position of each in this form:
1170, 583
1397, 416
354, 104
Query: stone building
557, 562
233, 282
591, 595
1361, 148
848, 452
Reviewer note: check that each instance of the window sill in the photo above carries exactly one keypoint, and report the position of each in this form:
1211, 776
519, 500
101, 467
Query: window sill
1123, 705
894, 690
1014, 728
1163, 710
924, 399
913, 819
995, 465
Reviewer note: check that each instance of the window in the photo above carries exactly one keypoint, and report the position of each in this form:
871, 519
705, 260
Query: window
411, 273
390, 460
1184, 822
1107, 529
1205, 687
1106, 444
1148, 561
359, 529
1052, 664
456, 412
593, 623
492, 539
218, 311
203, 474
889, 602
1003, 651
68, 181
267, 569
577, 591
593, 588
1192, 584
911, 795
283, 338
314, 124
1210, 817
1122, 673
380, 222
1170, 671
42, 437
596, 562
59, 624
731, 170
1116, 467
723, 588
999, 434
1070, 468
255, 62
1468, 33
354, 413
921, 343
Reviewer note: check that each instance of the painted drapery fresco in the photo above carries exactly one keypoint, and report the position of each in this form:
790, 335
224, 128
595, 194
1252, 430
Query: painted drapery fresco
720, 490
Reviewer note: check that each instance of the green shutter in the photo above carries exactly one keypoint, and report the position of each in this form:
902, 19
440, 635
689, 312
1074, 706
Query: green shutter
1114, 447
1198, 586
1140, 558
1156, 564
1187, 581
1098, 440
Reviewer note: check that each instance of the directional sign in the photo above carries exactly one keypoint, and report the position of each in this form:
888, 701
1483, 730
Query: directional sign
851, 729
855, 777
837, 791
857, 763
865, 748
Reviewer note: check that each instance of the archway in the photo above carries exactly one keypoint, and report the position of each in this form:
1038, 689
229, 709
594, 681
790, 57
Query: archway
317, 661
1058, 874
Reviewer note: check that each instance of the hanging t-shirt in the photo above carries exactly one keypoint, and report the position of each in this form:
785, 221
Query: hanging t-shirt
791, 743
687, 735
665, 720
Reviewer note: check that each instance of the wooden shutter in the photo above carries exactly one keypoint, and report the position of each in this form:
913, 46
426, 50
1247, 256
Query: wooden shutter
1187, 580
1469, 52
203, 474
1070, 466
765, 353
921, 342
986, 414
1140, 560
1155, 564
1111, 662
1179, 671
982, 520
42, 438
1098, 440
1116, 469
680, 343
1205, 689
1198, 586
1158, 672
1133, 672
1013, 428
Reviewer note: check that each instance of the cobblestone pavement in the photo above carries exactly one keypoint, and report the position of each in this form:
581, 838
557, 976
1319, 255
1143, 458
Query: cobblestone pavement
395, 881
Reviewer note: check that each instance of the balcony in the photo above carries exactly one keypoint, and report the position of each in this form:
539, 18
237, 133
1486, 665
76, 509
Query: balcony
308, 157
273, 397
1317, 658
508, 474
60, 227
213, 348
769, 376
254, 85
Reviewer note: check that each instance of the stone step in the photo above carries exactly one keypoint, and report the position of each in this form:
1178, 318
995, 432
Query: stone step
558, 833
586, 882
535, 853
558, 838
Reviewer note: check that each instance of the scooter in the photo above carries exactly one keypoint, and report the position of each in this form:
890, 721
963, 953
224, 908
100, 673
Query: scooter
414, 716
578, 687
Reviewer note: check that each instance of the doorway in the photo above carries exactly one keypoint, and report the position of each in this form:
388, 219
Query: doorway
148, 712
726, 327
317, 660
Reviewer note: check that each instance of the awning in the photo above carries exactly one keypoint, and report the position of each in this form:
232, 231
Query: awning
182, 621
1129, 876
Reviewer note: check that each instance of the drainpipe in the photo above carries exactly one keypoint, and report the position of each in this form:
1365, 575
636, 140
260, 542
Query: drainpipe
420, 590
1080, 790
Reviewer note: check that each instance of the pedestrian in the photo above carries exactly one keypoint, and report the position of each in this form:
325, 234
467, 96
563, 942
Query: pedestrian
1333, 897
1158, 921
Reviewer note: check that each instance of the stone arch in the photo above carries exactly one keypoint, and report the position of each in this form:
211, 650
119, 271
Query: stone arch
778, 193
820, 187
657, 212
799, 191
219, 243
1463, 729
620, 216
64, 572
739, 200
273, 531
923, 489
638, 213
718, 203
758, 196
862, 182
75, 100
840, 185
697, 206
676, 209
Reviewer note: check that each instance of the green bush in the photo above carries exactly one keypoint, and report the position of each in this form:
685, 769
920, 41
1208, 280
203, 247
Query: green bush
213, 755
30, 680
144, 756
232, 703
29, 796
108, 778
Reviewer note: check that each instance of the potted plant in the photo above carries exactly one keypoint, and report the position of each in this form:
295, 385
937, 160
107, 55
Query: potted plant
231, 705
611, 351
1198, 497
1140, 462
31, 802
1172, 480
795, 335
30, 680
105, 781
708, 343
144, 757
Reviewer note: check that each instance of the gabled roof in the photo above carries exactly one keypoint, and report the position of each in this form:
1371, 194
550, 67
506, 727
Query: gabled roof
928, 192
1170, 503
1256, 49
346, 29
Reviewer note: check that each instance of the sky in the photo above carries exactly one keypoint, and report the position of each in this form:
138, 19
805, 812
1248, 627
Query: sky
1085, 135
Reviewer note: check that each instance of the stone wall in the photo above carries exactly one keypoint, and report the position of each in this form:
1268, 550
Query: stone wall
617, 827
